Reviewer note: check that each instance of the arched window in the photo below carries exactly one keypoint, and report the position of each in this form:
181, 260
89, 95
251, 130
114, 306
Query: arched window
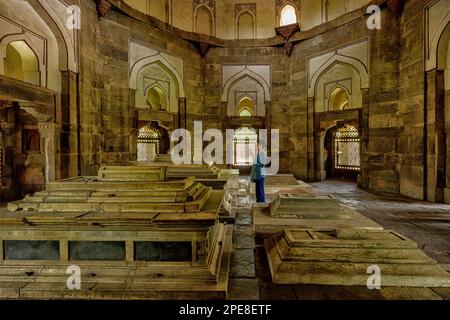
244, 141
204, 21
347, 149
338, 99
21, 62
246, 26
148, 145
156, 98
288, 15
246, 107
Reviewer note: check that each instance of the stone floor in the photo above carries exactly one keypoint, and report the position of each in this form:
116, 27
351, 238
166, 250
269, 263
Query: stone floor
426, 223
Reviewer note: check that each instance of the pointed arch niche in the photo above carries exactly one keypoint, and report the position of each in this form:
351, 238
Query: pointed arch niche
204, 17
245, 20
246, 81
22, 63
246, 107
156, 73
43, 28
157, 97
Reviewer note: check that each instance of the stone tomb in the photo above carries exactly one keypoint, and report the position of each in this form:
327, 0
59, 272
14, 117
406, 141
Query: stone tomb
307, 207
148, 239
283, 184
210, 176
343, 256
306, 211
199, 171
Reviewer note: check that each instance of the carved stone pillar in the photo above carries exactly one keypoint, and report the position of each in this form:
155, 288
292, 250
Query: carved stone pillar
50, 134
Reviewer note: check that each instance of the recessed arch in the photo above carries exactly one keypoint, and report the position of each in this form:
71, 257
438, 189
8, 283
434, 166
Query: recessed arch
156, 97
246, 107
22, 63
204, 21
442, 48
246, 73
344, 60
27, 44
435, 41
139, 65
441, 91
246, 25
338, 98
66, 39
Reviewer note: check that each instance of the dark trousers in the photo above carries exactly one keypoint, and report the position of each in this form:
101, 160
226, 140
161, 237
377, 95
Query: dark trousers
260, 196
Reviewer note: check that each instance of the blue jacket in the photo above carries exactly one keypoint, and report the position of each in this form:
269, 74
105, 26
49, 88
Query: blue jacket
258, 170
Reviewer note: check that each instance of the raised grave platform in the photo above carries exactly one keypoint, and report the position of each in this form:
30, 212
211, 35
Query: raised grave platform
306, 211
342, 257
283, 184
132, 239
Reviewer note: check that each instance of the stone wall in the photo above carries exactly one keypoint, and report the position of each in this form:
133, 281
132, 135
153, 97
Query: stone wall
292, 112
392, 111
381, 159
23, 160
411, 100
108, 118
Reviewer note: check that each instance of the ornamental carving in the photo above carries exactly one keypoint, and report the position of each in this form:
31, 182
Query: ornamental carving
251, 7
209, 3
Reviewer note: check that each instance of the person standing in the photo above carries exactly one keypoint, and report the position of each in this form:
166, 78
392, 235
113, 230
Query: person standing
258, 173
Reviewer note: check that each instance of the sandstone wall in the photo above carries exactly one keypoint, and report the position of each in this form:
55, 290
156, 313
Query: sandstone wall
108, 118
392, 111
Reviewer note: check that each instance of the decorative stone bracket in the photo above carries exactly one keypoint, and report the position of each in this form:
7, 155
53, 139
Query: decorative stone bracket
203, 48
286, 33
103, 7
288, 48
396, 7
50, 132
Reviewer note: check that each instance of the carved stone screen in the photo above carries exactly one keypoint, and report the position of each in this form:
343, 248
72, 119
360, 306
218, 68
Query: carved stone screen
148, 145
245, 140
347, 149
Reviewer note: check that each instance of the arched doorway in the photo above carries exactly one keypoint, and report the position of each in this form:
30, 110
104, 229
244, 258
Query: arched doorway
343, 146
244, 143
148, 144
